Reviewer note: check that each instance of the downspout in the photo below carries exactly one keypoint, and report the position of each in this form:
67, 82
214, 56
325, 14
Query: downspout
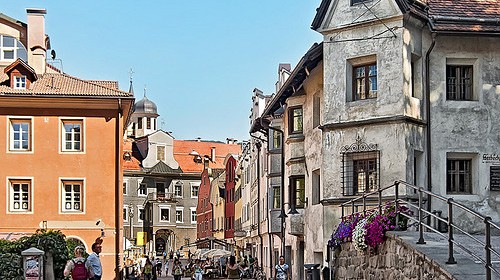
428, 116
118, 200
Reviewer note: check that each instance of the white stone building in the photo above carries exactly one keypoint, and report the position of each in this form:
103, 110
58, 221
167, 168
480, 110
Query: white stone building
411, 92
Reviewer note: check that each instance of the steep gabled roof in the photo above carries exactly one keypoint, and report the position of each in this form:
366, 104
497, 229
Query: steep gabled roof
464, 16
308, 62
20, 63
320, 14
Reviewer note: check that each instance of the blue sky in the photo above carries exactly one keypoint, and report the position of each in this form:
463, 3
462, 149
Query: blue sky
199, 60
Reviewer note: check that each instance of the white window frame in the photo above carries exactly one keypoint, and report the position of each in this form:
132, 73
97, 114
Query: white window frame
14, 49
62, 135
125, 217
162, 207
139, 190
10, 195
62, 196
179, 183
193, 211
139, 208
181, 210
20, 119
195, 185
125, 185
20, 82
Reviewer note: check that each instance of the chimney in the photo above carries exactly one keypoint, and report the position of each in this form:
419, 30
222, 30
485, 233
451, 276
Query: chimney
212, 155
37, 46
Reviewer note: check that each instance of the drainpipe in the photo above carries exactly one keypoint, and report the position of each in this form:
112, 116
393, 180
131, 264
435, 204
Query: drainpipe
118, 200
428, 116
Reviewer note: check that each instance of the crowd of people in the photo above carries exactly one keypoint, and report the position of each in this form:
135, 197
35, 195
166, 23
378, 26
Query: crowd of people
197, 269
89, 267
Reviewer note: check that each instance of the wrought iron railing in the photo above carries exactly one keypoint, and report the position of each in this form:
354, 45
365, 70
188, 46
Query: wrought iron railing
415, 201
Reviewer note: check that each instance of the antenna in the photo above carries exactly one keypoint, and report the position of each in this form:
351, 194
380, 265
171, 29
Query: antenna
131, 74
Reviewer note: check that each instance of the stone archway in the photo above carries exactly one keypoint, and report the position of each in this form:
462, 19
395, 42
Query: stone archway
163, 242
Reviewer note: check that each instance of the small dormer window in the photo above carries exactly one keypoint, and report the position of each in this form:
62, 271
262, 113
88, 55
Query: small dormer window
20, 82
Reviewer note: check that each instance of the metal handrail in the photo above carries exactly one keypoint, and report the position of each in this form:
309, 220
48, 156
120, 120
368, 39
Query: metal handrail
451, 226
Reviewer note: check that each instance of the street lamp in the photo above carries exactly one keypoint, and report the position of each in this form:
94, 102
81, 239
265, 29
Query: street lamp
131, 218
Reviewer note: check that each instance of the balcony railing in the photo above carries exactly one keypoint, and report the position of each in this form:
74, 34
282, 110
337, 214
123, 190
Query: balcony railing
161, 197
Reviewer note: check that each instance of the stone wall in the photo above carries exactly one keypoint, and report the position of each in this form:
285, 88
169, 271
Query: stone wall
392, 260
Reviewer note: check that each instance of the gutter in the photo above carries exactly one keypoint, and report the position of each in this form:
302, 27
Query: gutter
118, 200
492, 21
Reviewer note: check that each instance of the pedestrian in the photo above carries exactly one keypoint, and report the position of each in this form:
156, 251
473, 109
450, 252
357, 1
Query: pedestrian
281, 270
158, 267
222, 264
166, 267
147, 270
232, 269
79, 267
178, 254
177, 270
95, 261
198, 270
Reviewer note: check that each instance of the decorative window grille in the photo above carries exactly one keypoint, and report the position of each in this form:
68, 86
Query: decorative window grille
360, 168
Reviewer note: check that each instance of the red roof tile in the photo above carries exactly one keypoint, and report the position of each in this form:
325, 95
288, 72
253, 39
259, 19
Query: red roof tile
465, 15
182, 148
65, 85
132, 164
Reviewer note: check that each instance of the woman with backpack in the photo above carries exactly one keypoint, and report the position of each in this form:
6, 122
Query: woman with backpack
147, 270
79, 267
177, 270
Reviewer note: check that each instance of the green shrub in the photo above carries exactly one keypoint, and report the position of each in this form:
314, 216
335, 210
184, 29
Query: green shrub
49, 241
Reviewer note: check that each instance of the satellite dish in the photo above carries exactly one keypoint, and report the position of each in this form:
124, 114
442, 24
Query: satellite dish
53, 54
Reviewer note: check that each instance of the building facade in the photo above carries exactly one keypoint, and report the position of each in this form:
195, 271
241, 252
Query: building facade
61, 144
290, 121
419, 98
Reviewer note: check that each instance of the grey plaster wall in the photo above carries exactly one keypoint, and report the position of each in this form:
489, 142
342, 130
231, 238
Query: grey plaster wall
467, 129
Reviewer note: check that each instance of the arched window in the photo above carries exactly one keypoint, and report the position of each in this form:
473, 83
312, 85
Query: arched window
12, 49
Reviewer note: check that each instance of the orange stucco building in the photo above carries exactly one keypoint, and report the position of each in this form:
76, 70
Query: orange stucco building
60, 145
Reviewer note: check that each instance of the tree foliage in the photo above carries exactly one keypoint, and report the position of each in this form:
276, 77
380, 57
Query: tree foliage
49, 241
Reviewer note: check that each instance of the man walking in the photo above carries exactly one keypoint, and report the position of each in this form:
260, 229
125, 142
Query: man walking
95, 261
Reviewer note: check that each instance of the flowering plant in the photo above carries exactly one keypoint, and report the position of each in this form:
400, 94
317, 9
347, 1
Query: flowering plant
391, 213
369, 231
359, 234
343, 232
